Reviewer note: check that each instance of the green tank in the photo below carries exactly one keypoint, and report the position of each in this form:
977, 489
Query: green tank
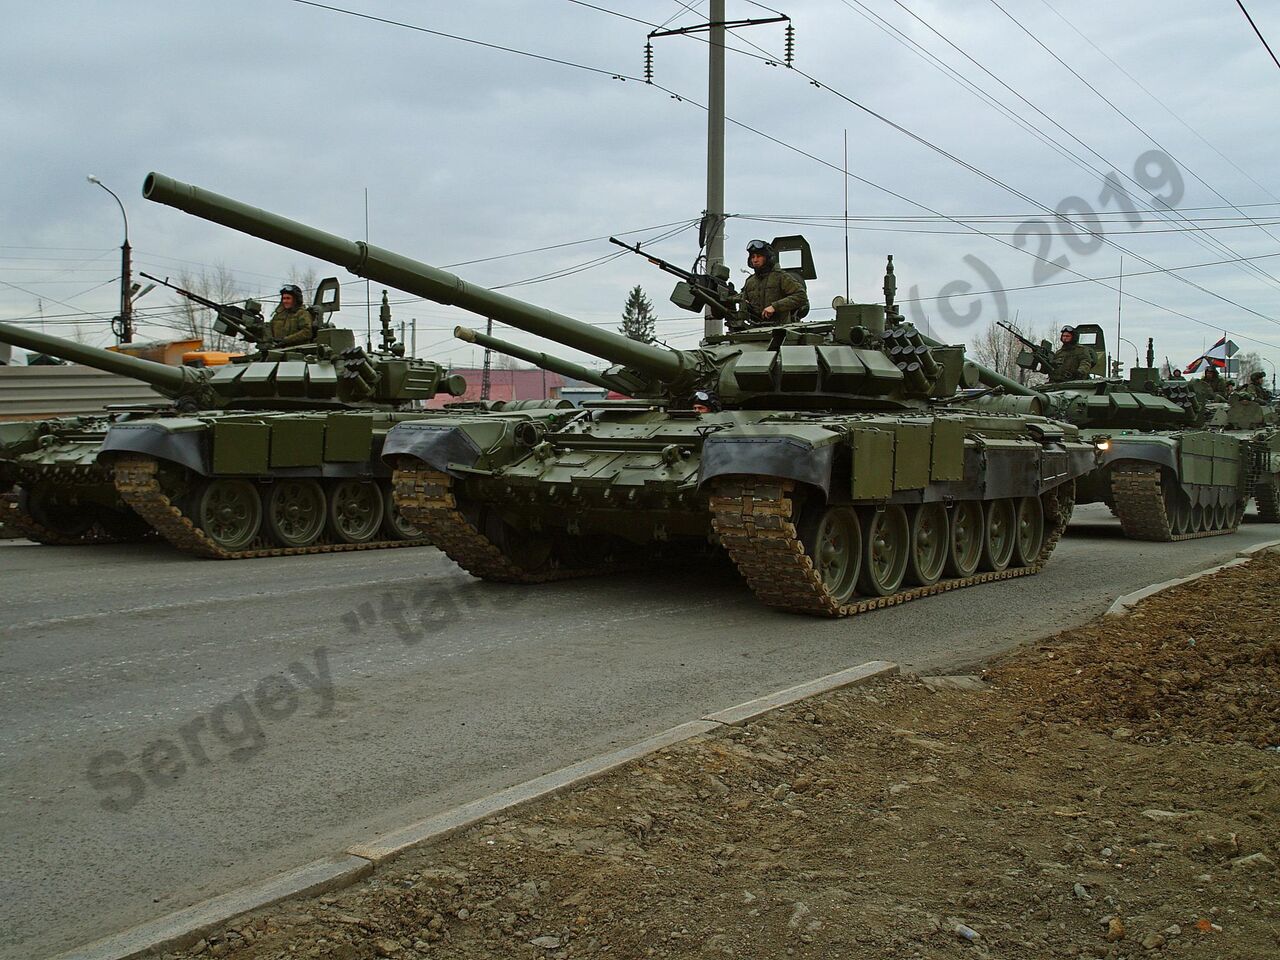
1161, 470
1257, 427
275, 452
828, 459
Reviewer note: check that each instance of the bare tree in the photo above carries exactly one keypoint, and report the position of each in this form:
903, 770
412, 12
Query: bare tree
215, 283
1247, 363
997, 348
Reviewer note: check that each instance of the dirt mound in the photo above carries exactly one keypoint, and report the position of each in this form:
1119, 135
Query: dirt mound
1105, 796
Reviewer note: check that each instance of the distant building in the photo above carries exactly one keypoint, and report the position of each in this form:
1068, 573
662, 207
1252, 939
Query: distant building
579, 392
521, 384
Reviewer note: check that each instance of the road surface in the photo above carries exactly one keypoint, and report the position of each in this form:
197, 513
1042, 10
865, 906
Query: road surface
171, 728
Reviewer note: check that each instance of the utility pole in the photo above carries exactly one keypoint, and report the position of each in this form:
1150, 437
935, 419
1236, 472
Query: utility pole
484, 377
124, 332
713, 217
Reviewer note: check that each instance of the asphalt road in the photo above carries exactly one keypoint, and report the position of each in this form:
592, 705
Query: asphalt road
171, 728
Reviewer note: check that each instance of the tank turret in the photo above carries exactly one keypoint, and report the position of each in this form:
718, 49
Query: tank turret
857, 359
334, 371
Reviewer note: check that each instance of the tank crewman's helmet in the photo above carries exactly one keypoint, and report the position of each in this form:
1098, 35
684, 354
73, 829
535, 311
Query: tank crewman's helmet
706, 399
761, 247
294, 290
1069, 330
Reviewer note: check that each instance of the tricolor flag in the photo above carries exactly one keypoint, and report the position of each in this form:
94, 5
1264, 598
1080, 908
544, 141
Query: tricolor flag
1217, 355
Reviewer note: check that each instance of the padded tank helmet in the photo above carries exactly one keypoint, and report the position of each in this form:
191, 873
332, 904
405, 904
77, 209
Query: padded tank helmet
294, 290
761, 247
1071, 330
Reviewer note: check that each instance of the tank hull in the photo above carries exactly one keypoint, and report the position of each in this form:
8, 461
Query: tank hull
784, 494
1170, 485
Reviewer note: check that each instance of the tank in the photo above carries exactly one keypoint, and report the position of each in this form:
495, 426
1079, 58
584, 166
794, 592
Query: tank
276, 451
830, 460
1161, 470
1257, 427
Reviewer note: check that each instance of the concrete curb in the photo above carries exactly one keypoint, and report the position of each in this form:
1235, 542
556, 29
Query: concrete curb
185, 927
1124, 605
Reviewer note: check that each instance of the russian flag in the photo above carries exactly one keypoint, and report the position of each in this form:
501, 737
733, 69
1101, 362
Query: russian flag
1217, 355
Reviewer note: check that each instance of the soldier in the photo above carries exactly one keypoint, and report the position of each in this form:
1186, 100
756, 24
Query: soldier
1254, 390
1211, 387
1071, 361
704, 401
774, 294
292, 323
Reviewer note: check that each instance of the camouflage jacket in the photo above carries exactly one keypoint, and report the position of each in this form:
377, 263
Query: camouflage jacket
1211, 390
777, 288
292, 327
1255, 392
1071, 363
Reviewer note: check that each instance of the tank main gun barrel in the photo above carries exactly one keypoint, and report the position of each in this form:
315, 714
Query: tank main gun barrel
418, 278
168, 380
990, 378
565, 368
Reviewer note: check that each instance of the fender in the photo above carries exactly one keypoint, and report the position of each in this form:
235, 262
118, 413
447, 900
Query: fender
785, 457
188, 448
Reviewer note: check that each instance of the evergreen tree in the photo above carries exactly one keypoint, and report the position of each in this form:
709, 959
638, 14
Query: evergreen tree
637, 317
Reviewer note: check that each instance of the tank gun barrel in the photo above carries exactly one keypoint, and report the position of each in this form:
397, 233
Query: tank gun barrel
168, 380
565, 368
418, 278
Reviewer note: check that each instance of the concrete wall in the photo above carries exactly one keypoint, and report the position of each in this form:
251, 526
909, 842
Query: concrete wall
28, 393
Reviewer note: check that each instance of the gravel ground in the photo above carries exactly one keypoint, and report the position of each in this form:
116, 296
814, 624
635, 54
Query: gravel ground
1111, 792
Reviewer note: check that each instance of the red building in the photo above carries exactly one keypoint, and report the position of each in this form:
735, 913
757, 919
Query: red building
530, 384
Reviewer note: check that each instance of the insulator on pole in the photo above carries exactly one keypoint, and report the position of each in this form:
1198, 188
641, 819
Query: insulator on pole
791, 45
648, 63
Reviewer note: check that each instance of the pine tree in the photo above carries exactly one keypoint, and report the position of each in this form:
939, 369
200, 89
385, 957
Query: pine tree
637, 317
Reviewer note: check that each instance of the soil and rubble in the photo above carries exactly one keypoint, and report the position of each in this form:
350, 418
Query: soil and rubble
1111, 792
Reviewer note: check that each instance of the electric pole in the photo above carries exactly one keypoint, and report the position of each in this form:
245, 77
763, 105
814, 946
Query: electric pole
124, 331
712, 233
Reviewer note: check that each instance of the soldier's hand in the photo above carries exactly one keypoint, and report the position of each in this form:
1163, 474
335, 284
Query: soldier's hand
768, 312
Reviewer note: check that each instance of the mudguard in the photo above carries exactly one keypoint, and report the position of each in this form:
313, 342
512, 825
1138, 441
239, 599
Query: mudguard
188, 448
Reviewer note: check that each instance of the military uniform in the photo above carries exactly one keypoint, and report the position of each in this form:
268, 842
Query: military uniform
1211, 389
1255, 391
776, 288
289, 328
1071, 362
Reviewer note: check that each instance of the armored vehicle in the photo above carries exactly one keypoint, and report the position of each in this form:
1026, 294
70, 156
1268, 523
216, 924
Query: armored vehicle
1160, 470
1257, 427
828, 459
274, 452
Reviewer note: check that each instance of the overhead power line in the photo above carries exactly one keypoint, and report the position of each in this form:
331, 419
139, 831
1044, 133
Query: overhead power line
1240, 4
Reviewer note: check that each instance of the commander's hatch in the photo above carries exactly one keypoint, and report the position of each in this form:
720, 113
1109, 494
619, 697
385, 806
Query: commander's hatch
1091, 336
794, 256
328, 296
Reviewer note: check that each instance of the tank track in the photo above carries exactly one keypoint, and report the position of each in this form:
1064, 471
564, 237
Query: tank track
1139, 503
137, 483
16, 520
425, 498
754, 519
1267, 497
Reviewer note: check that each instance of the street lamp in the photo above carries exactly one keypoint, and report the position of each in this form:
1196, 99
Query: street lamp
125, 330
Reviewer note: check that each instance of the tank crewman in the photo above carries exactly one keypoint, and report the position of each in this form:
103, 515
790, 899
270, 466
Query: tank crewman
1071, 361
775, 295
1254, 390
1211, 387
704, 401
292, 323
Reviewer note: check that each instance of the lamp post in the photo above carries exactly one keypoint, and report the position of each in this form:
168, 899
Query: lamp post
125, 330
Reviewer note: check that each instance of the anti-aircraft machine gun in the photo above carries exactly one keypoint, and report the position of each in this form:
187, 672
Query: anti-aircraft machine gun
274, 452
839, 475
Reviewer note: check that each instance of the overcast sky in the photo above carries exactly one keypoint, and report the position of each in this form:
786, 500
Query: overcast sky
470, 153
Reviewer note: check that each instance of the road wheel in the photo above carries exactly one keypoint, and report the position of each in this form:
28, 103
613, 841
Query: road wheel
1030, 531
929, 542
528, 551
1268, 493
355, 511
1196, 524
832, 538
295, 512
394, 525
1180, 513
886, 544
229, 512
967, 527
57, 509
999, 534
